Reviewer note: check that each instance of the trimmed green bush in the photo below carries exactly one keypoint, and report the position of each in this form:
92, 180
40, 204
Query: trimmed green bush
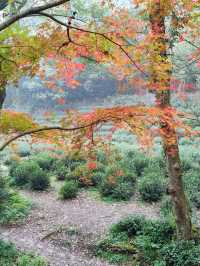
107, 185
101, 156
117, 190
123, 191
22, 171
151, 187
131, 225
39, 180
69, 190
117, 183
28, 173
64, 167
8, 253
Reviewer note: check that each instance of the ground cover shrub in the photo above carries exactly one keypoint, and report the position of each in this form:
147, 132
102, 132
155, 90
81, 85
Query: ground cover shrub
82, 174
117, 183
115, 248
123, 191
65, 166
86, 174
10, 256
131, 226
14, 209
39, 180
181, 253
151, 186
69, 190
27, 173
21, 171
147, 242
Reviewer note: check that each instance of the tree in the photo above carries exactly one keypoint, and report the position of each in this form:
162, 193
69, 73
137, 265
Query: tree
118, 42
142, 37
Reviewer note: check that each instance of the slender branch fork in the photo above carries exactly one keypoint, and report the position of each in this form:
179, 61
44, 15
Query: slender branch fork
69, 26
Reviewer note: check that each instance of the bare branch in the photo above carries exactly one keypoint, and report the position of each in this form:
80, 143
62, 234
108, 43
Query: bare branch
30, 11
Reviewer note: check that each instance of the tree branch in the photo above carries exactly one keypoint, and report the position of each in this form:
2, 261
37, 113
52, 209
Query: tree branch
30, 11
97, 34
38, 130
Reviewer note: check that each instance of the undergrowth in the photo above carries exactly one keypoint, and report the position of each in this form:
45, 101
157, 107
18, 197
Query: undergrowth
146, 242
10, 256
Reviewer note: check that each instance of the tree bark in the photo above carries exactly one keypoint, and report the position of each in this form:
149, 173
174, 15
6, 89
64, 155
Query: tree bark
159, 61
2, 96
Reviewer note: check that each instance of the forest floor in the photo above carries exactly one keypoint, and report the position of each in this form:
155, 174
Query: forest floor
65, 231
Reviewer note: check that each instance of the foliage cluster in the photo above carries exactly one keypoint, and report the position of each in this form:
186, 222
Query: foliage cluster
147, 242
69, 190
13, 207
28, 173
115, 175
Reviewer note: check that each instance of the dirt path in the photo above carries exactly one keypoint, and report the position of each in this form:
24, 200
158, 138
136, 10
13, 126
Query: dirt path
85, 217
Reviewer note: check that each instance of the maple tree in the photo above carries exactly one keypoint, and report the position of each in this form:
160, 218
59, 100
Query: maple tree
124, 43
135, 45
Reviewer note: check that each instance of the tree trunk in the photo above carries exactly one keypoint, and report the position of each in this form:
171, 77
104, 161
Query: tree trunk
176, 187
2, 96
160, 78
